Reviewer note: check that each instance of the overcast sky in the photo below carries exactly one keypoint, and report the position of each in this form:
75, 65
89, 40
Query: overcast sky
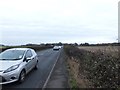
50, 21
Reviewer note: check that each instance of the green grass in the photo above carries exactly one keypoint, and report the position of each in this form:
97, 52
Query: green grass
73, 83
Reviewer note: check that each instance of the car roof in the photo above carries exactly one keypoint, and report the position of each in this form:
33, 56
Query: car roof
19, 48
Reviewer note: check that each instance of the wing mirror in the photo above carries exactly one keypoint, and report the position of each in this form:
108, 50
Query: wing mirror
27, 59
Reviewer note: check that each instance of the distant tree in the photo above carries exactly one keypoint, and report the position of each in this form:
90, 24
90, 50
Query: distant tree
60, 44
75, 44
2, 45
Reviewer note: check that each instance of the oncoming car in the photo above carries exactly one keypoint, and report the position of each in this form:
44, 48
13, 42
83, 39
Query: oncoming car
15, 63
56, 47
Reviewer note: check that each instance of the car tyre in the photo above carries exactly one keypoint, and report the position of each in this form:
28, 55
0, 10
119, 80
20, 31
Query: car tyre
36, 66
22, 76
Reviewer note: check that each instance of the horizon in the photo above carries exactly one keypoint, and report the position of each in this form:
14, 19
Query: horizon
58, 43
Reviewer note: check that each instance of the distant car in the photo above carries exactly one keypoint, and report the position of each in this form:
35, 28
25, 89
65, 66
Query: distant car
60, 47
16, 63
56, 47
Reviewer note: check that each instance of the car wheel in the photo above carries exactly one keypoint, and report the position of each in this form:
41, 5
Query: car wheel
22, 76
36, 66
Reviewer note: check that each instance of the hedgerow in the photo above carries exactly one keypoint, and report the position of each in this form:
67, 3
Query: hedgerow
100, 67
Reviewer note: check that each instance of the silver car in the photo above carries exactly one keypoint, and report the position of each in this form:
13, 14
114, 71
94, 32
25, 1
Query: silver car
16, 63
56, 47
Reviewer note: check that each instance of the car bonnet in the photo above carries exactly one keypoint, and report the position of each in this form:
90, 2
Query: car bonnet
4, 65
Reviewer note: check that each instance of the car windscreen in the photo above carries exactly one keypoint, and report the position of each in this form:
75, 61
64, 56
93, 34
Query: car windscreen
12, 55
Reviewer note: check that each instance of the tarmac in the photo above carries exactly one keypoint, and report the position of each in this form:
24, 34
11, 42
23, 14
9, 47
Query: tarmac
59, 76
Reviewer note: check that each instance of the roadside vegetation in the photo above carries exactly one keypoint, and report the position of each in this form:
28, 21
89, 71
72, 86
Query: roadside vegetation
93, 66
35, 47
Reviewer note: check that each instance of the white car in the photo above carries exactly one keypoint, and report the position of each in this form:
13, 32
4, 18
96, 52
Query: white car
16, 63
56, 47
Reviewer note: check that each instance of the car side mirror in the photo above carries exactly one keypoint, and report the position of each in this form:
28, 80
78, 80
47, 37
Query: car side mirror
27, 59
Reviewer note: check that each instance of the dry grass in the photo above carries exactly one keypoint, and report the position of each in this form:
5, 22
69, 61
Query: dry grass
101, 48
77, 79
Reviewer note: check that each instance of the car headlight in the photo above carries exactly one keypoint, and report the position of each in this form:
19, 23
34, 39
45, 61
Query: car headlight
11, 68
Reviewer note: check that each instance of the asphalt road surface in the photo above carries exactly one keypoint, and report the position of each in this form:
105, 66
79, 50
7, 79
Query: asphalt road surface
37, 78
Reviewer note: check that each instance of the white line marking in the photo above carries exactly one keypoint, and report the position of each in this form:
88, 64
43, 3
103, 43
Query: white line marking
44, 86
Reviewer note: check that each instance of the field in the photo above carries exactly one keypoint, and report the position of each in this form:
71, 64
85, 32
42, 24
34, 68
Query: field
101, 48
94, 66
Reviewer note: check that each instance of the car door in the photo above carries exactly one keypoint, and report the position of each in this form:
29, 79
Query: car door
29, 63
35, 58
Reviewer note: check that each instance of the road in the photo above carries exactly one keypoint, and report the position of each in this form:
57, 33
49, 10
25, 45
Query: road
37, 78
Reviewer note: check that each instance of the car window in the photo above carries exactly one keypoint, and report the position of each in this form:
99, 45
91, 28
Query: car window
28, 54
33, 52
11, 54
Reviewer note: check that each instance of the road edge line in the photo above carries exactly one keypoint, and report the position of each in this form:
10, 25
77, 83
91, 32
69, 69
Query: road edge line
44, 86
